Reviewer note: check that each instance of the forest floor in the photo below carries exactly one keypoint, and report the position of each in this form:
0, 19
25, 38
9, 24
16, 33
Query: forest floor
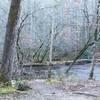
58, 90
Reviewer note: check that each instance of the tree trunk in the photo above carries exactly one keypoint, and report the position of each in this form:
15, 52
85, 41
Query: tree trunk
91, 75
10, 40
50, 52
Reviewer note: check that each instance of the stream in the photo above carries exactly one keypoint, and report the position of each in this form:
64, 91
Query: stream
77, 71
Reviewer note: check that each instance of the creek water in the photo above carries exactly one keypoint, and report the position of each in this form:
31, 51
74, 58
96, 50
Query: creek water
77, 71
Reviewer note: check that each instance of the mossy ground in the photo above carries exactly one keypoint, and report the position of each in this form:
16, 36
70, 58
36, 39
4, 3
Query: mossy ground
7, 90
51, 81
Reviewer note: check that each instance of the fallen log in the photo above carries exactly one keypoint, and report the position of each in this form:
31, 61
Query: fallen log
79, 62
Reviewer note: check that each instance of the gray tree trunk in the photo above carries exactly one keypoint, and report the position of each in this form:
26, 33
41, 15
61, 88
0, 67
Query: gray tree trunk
51, 52
10, 40
91, 75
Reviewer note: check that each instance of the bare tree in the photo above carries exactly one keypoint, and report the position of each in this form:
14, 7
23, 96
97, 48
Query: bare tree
51, 48
97, 29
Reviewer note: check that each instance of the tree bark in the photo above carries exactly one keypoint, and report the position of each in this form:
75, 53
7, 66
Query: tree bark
91, 75
10, 40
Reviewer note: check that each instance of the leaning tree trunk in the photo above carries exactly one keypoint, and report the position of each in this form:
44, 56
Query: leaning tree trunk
10, 40
87, 45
